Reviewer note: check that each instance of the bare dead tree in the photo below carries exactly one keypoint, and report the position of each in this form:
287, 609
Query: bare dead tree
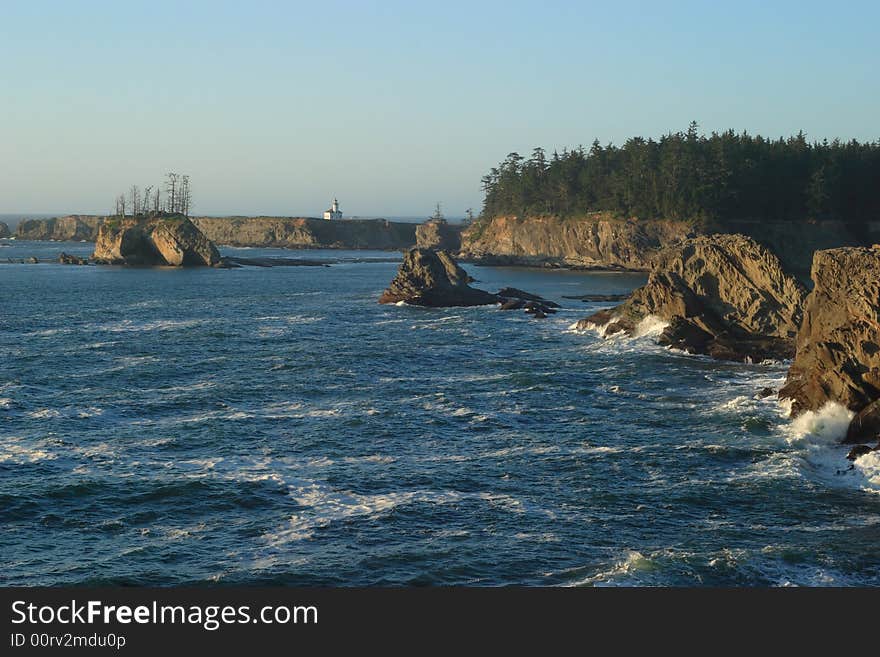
120, 203
156, 204
172, 187
134, 197
148, 196
185, 195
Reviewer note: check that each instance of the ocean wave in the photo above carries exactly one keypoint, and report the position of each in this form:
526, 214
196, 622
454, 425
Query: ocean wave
130, 326
827, 426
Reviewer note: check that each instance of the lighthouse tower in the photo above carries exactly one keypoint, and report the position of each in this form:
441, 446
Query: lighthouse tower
334, 212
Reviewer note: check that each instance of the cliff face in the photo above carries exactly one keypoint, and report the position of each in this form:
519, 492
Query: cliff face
599, 241
4, 230
439, 235
155, 240
308, 233
73, 228
587, 242
724, 295
838, 345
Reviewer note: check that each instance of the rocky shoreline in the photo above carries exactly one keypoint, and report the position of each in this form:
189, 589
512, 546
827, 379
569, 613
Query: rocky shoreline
266, 232
730, 298
724, 296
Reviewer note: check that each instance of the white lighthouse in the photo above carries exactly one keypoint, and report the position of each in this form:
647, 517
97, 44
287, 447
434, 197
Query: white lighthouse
334, 212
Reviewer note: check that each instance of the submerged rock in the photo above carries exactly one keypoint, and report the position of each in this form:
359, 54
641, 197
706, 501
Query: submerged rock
156, 239
723, 295
860, 450
67, 259
838, 345
433, 278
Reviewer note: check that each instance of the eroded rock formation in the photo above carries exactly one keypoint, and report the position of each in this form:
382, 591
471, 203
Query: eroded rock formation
433, 278
158, 239
723, 295
838, 345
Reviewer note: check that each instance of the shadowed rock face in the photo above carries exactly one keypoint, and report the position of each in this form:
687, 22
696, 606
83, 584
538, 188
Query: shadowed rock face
154, 240
838, 345
438, 235
433, 278
724, 295
4, 230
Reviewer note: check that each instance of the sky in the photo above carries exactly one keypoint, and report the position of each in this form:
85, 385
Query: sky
277, 107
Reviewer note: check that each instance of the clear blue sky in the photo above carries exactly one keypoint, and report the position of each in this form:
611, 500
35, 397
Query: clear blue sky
274, 107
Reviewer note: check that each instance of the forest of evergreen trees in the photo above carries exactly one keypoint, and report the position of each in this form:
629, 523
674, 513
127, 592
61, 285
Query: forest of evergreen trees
694, 177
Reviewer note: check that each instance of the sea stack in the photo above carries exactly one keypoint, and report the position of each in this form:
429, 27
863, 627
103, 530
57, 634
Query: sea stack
433, 278
723, 295
838, 345
154, 240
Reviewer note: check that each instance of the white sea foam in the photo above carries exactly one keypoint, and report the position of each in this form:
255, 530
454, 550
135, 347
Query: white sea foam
622, 571
18, 451
827, 426
868, 466
44, 414
126, 326
650, 326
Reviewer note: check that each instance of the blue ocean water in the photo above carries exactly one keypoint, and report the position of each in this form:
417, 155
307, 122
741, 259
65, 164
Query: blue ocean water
278, 426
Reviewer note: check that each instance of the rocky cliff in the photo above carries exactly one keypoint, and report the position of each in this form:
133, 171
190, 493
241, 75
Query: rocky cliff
434, 234
159, 239
305, 232
74, 228
4, 230
287, 232
723, 295
838, 345
593, 242
604, 242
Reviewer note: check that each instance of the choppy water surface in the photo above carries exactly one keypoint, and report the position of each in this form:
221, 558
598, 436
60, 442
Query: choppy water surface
279, 426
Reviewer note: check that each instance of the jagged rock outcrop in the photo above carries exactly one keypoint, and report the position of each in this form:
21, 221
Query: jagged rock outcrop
512, 298
68, 259
305, 232
433, 278
158, 239
838, 345
439, 235
73, 228
4, 230
723, 295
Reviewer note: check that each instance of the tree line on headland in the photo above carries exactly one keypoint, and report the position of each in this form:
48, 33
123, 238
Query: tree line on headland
137, 201
690, 176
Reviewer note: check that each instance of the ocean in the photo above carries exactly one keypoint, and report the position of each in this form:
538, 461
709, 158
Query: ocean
278, 426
